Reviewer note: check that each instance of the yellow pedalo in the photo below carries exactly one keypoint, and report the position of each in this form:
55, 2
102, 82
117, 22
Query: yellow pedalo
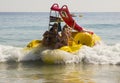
79, 39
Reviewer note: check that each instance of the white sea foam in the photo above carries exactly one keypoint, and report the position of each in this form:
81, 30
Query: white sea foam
10, 53
99, 54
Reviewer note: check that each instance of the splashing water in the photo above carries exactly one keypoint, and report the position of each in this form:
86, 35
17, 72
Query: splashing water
99, 54
10, 53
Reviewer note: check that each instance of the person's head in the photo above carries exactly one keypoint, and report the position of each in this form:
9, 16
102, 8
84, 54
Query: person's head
54, 28
65, 27
55, 25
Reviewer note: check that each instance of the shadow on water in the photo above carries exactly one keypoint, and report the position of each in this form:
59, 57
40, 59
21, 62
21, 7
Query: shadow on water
37, 72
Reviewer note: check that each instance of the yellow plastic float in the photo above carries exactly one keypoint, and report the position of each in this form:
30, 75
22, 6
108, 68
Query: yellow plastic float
50, 56
79, 39
33, 44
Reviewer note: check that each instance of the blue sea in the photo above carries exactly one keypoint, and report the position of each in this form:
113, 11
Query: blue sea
99, 64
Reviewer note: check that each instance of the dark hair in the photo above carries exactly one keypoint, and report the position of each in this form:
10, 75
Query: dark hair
65, 26
55, 25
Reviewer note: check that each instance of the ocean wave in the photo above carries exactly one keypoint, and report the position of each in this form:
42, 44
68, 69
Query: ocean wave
99, 54
17, 54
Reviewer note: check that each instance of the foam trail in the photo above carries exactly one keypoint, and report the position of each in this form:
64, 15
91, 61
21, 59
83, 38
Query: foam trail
10, 53
99, 54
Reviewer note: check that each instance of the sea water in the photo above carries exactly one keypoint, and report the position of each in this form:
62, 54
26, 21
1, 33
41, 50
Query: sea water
99, 64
